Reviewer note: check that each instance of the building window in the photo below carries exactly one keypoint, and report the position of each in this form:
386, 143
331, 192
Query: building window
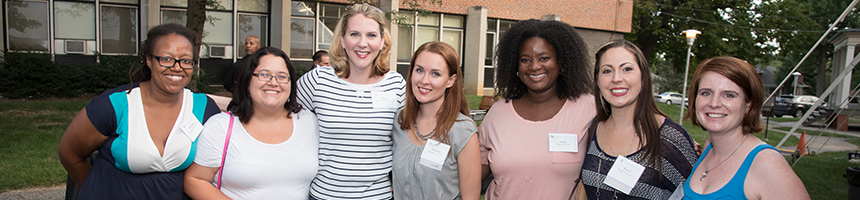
173, 16
301, 31
121, 1
220, 29
404, 38
433, 27
496, 29
260, 6
252, 24
175, 3
119, 29
27, 25
329, 15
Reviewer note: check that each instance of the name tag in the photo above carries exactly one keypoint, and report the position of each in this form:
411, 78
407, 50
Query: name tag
563, 142
434, 154
678, 194
192, 128
383, 100
623, 174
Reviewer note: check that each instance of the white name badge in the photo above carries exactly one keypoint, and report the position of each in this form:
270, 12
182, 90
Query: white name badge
678, 194
623, 174
383, 100
434, 154
192, 128
563, 142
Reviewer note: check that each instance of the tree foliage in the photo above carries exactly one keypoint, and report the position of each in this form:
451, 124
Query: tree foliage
756, 31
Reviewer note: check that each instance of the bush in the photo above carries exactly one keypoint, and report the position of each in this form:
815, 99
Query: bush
35, 75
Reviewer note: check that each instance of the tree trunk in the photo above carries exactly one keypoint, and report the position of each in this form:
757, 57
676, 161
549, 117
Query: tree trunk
196, 19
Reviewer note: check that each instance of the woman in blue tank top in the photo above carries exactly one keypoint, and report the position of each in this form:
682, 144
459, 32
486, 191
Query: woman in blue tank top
728, 97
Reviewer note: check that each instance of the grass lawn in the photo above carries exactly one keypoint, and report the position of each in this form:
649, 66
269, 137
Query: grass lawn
700, 135
822, 174
31, 131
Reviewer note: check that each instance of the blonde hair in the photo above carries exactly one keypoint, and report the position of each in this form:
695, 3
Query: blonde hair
338, 54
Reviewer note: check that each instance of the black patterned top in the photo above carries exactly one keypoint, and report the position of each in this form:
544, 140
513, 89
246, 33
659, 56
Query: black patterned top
678, 157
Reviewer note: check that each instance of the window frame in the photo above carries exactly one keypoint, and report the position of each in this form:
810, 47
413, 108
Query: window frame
49, 17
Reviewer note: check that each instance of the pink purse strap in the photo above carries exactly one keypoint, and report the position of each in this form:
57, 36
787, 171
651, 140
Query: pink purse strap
224, 152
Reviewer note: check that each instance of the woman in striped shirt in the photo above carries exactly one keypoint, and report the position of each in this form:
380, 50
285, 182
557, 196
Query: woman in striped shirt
355, 100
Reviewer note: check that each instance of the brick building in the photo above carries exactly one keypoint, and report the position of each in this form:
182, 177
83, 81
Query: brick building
73, 30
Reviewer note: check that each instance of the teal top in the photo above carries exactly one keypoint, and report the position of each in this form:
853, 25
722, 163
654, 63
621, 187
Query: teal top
734, 189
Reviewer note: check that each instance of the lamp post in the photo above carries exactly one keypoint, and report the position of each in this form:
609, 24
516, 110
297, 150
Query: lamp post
796, 75
691, 37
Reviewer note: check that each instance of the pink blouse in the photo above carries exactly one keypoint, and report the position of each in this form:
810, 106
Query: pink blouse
517, 151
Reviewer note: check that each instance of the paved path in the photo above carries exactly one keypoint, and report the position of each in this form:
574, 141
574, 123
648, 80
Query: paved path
41, 193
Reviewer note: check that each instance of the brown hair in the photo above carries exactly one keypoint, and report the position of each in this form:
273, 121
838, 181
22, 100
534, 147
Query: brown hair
741, 73
338, 54
644, 122
455, 100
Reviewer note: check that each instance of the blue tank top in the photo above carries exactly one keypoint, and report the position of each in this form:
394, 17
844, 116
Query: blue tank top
734, 189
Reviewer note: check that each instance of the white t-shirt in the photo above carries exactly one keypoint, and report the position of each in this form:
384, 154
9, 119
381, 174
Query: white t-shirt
256, 170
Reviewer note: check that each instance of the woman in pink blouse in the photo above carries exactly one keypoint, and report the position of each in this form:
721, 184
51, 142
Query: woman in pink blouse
533, 141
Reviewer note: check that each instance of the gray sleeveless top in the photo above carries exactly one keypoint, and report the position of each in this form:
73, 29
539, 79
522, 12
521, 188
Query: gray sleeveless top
412, 180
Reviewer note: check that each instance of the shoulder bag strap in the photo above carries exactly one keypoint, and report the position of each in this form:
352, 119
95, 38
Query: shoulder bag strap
224, 152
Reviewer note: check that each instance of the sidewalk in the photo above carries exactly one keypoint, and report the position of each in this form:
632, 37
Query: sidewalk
41, 193
817, 143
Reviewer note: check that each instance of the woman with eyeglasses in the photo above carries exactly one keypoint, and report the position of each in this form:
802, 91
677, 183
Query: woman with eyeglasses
271, 145
355, 100
145, 132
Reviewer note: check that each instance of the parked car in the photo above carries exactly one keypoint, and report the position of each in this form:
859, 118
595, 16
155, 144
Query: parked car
670, 98
794, 105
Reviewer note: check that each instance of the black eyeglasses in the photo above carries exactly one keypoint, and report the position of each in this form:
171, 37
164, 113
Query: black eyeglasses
265, 77
168, 62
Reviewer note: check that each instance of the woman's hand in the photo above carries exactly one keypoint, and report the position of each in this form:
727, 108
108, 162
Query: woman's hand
79, 141
198, 183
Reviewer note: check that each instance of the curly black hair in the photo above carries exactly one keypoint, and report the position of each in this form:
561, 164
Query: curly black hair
571, 53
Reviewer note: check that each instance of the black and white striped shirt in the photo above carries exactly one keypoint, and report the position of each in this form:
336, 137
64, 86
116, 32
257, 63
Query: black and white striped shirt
355, 126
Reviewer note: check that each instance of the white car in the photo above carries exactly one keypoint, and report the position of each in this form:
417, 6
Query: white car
670, 98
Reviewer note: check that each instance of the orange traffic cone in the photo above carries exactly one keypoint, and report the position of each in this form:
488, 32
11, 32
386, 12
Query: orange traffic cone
801, 146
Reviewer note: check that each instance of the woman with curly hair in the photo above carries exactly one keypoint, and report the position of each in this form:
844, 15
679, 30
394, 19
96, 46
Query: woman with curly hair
629, 127
533, 141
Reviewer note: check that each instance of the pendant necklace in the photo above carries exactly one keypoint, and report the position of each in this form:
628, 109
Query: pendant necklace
727, 158
423, 137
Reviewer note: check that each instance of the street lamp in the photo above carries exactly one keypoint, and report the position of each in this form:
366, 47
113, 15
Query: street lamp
691, 37
796, 75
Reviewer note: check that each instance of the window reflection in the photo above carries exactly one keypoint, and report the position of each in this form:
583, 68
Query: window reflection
251, 25
173, 16
301, 38
119, 30
28, 25
219, 30
74, 20
253, 5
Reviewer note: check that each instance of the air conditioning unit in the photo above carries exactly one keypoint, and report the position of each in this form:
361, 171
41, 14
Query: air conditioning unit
75, 46
218, 51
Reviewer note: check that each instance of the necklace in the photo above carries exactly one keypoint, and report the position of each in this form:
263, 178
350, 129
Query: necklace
724, 160
600, 161
423, 137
